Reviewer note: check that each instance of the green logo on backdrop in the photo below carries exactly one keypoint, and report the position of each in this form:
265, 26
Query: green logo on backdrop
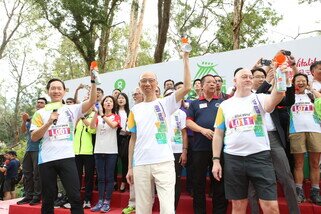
203, 69
120, 84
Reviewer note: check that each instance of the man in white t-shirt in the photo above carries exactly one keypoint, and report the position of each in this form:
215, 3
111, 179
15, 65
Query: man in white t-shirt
150, 152
240, 122
315, 69
54, 125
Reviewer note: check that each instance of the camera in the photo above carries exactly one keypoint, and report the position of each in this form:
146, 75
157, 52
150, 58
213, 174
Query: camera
266, 62
286, 53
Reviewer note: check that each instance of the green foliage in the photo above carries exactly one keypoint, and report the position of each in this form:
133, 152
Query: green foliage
69, 64
209, 23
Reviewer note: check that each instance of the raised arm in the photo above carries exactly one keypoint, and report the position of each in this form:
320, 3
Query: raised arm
86, 105
187, 79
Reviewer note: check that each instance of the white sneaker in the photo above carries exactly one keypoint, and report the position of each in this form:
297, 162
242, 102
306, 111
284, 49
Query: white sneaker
86, 205
66, 206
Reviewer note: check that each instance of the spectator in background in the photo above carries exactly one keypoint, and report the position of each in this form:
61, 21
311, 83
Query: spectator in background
138, 96
305, 135
259, 75
32, 185
197, 87
123, 136
168, 84
116, 92
315, 69
84, 155
100, 94
11, 176
218, 89
158, 92
70, 101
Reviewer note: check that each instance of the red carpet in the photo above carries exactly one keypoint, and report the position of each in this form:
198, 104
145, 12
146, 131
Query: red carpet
120, 200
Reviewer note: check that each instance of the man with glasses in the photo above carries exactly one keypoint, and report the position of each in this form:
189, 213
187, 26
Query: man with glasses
218, 89
32, 184
138, 96
153, 160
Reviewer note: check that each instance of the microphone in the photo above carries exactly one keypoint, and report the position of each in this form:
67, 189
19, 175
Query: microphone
55, 120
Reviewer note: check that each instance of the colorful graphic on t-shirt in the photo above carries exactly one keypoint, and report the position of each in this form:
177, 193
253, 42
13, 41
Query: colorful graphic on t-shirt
161, 134
220, 120
131, 124
177, 138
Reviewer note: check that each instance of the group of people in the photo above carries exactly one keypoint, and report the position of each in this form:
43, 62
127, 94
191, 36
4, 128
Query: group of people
239, 139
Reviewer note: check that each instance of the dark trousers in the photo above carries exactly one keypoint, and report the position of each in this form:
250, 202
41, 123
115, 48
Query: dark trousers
283, 174
189, 171
123, 154
32, 184
202, 161
87, 162
105, 165
178, 172
67, 171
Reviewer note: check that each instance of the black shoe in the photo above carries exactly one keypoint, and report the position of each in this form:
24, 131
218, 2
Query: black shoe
34, 201
24, 201
315, 196
115, 186
61, 202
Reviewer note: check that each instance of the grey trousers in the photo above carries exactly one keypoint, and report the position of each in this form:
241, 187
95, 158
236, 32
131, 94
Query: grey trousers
283, 175
32, 184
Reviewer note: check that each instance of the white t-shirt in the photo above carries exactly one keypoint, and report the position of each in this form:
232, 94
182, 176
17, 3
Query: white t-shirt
106, 137
302, 115
269, 123
150, 122
243, 120
57, 142
316, 85
177, 123
123, 120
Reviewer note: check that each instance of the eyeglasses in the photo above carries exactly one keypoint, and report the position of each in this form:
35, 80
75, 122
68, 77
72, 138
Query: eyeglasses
145, 80
135, 94
259, 77
218, 81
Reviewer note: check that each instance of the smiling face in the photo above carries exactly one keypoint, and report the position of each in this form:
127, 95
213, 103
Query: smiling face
244, 79
300, 83
148, 83
56, 91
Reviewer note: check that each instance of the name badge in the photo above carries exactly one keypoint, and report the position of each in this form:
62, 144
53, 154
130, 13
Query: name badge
203, 105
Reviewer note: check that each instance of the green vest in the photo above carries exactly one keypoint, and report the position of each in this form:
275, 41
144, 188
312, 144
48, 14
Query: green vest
83, 137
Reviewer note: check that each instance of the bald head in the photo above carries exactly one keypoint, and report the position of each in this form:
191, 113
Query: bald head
148, 74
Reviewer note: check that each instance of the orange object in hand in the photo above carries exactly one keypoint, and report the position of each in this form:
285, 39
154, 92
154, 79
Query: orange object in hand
93, 64
184, 40
280, 59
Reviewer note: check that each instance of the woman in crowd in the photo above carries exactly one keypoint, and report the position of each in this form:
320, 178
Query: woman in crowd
305, 133
106, 122
123, 136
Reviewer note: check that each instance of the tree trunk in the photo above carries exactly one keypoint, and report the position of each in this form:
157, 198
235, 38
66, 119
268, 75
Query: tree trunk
164, 7
104, 40
237, 20
135, 31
